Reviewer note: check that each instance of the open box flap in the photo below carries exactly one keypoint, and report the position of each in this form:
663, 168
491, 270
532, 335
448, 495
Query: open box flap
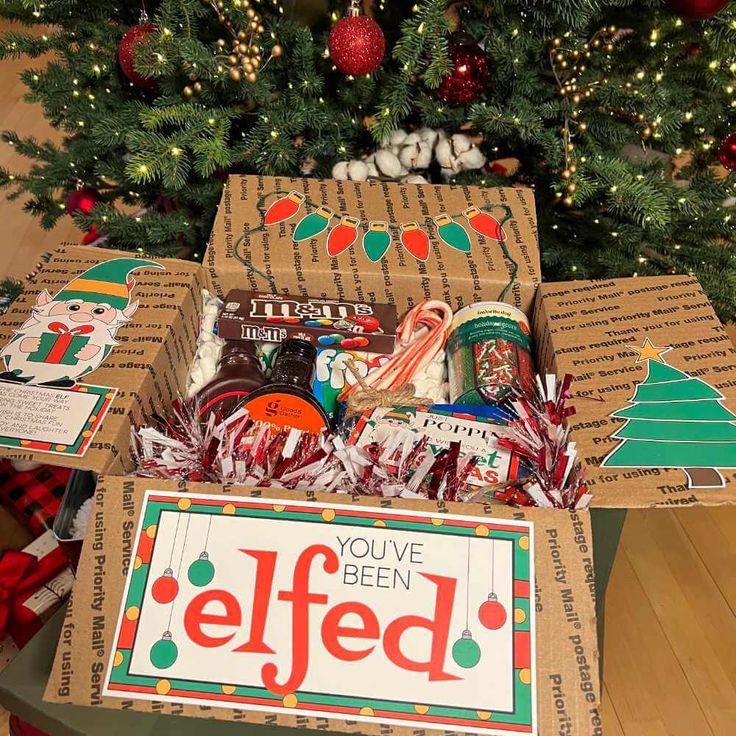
655, 388
460, 265
559, 604
147, 360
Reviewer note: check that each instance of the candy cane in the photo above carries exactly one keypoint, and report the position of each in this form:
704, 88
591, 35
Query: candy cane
421, 336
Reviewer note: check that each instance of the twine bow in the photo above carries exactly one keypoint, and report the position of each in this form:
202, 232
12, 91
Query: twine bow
369, 398
21, 574
61, 329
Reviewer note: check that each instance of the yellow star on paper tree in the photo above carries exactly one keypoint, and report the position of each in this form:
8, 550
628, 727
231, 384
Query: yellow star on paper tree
649, 350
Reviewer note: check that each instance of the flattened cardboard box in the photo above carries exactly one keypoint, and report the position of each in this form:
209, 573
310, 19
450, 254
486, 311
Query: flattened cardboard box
140, 343
550, 588
479, 244
655, 388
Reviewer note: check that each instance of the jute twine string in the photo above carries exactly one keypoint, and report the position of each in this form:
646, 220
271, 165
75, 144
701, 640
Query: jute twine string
369, 398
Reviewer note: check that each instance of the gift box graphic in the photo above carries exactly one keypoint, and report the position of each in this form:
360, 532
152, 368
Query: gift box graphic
61, 345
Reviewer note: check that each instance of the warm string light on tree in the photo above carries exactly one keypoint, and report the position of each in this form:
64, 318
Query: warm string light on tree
571, 68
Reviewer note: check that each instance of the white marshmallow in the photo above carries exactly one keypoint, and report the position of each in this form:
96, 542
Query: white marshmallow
357, 171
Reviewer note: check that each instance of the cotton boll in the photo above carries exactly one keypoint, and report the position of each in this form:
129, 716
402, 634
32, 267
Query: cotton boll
428, 135
443, 153
398, 137
424, 157
372, 171
410, 140
340, 171
472, 159
409, 155
388, 164
414, 179
460, 143
357, 171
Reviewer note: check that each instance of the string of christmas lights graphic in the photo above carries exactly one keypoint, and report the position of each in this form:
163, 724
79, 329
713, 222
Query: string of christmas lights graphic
414, 236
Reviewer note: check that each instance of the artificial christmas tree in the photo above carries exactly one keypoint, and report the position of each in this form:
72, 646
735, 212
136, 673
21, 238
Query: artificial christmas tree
675, 421
596, 101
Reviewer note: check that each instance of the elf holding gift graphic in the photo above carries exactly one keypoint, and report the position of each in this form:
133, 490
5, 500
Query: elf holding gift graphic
71, 334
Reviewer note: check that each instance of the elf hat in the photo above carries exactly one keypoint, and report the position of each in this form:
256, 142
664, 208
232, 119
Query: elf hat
106, 282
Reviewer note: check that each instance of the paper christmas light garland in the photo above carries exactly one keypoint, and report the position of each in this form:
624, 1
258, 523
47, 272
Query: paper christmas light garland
342, 236
284, 208
377, 236
313, 224
484, 224
376, 240
415, 240
452, 233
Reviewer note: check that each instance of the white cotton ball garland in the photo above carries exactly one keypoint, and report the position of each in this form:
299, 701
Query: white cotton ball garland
404, 155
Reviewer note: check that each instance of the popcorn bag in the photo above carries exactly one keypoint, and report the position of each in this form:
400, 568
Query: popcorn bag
419, 553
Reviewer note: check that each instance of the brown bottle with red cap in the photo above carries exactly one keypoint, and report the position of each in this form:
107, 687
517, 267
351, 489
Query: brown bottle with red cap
238, 375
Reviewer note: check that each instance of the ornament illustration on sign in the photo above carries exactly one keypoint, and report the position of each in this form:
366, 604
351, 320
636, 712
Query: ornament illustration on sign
484, 224
284, 208
201, 571
376, 240
342, 236
491, 613
312, 224
164, 652
165, 588
69, 335
415, 240
452, 233
675, 421
466, 651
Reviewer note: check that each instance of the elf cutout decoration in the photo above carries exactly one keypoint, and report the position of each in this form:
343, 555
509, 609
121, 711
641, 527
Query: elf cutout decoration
675, 421
70, 335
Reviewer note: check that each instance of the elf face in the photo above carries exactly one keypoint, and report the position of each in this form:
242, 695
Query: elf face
85, 312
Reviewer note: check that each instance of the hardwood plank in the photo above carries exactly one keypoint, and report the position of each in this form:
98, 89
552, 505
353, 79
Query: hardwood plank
646, 684
712, 532
611, 723
694, 616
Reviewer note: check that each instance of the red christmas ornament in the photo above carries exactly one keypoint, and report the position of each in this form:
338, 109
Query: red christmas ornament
356, 43
491, 613
82, 200
696, 9
727, 152
469, 76
284, 208
126, 52
484, 224
415, 240
165, 588
343, 235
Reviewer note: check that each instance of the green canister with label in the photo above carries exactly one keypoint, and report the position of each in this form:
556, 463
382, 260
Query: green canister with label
489, 354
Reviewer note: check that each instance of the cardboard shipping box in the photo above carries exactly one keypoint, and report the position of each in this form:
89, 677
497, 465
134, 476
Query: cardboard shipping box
116, 647
655, 388
139, 344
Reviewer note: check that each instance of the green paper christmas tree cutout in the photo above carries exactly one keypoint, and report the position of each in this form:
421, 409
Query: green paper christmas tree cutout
675, 421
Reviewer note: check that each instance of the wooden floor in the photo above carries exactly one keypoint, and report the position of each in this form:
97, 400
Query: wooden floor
670, 667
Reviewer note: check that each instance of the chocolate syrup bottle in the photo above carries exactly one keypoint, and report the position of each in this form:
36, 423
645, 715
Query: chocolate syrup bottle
238, 375
288, 400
